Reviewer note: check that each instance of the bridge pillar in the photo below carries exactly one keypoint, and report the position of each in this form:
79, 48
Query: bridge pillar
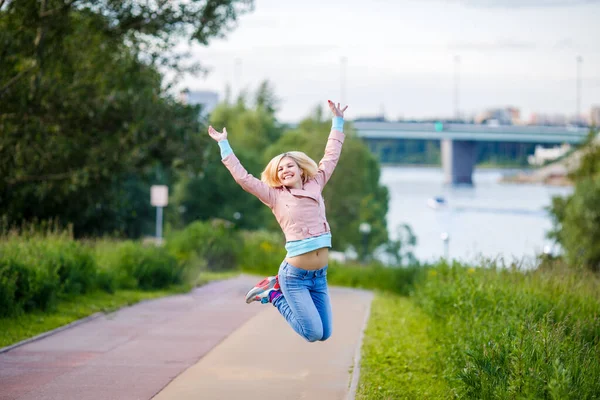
458, 161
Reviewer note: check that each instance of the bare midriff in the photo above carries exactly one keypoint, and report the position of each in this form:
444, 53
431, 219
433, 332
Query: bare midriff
312, 260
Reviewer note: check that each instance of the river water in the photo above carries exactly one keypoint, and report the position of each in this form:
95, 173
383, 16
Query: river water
490, 219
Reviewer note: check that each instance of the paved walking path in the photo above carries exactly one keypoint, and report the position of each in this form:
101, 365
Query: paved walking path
207, 344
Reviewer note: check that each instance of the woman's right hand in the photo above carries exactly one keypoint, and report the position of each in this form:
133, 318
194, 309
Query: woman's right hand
337, 111
218, 136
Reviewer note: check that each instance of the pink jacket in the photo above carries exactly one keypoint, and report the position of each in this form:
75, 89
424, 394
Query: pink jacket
300, 212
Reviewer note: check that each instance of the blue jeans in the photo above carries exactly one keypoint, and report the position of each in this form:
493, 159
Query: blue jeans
305, 303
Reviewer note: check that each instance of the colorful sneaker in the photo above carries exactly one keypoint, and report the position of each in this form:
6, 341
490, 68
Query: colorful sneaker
261, 292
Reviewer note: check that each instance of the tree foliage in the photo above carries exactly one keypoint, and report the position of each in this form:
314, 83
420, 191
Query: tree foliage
251, 127
84, 113
577, 217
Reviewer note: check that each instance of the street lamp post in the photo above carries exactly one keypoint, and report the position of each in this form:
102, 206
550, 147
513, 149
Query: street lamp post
446, 239
578, 90
456, 83
365, 228
343, 64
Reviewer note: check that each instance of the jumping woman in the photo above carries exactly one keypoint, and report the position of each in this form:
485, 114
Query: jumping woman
291, 187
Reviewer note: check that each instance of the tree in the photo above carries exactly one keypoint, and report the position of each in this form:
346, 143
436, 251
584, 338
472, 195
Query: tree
213, 193
576, 218
84, 109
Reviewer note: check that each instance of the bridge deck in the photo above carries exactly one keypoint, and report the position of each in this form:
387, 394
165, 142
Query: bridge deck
500, 133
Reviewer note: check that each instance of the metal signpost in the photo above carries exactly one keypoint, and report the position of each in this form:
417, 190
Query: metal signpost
159, 198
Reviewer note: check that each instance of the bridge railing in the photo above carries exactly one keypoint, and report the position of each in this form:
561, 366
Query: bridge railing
439, 130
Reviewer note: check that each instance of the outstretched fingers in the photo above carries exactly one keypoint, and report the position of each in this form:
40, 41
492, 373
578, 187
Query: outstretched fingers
337, 110
331, 105
216, 134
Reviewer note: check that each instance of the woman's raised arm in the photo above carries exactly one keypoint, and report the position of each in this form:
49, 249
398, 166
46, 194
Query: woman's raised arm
333, 149
249, 183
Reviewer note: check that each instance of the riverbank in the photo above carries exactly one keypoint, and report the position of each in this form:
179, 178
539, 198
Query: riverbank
554, 174
559, 178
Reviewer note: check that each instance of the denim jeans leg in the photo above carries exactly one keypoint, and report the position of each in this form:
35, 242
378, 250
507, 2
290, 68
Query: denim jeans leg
320, 297
297, 306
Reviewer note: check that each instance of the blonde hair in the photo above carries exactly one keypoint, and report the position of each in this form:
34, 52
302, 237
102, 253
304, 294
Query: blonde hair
305, 163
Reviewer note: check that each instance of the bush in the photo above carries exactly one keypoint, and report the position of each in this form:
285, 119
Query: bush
216, 242
576, 218
72, 261
579, 218
35, 270
262, 252
131, 265
25, 287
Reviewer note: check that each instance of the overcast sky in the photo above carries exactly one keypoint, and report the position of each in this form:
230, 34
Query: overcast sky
401, 55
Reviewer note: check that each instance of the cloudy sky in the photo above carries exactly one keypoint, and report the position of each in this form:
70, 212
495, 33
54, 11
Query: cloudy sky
400, 55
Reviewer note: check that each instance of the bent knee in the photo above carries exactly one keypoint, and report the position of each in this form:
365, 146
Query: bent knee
326, 336
312, 338
313, 335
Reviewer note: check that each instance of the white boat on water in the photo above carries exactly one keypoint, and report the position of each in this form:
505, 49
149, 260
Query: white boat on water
436, 202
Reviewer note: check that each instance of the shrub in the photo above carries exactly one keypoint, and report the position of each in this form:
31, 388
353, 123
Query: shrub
216, 242
24, 287
261, 252
576, 218
579, 218
131, 265
35, 270
72, 261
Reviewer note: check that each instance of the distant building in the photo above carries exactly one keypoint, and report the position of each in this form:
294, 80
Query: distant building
499, 116
207, 99
543, 155
548, 119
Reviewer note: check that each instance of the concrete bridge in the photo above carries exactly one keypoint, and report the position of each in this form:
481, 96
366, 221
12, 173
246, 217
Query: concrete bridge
458, 141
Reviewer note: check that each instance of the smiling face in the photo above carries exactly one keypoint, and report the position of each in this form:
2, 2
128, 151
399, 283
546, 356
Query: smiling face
289, 173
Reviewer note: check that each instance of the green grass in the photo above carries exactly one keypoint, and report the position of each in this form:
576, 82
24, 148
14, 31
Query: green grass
485, 333
509, 334
397, 352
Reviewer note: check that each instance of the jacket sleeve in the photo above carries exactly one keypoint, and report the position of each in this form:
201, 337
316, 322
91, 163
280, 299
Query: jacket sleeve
333, 149
249, 183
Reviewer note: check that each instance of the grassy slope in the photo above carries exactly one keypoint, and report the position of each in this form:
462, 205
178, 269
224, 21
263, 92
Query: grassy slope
397, 353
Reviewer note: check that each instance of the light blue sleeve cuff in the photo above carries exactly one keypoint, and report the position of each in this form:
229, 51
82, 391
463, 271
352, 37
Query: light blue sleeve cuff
225, 148
338, 124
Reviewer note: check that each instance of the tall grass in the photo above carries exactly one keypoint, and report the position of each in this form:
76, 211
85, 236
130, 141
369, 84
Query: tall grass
507, 334
41, 264
35, 270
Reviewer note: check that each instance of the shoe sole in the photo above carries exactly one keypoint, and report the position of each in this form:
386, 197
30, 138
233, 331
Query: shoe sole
254, 291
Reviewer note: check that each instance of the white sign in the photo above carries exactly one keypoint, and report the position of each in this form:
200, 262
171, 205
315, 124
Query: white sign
159, 195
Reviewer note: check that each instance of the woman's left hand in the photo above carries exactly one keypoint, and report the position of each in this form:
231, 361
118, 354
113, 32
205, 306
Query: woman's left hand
336, 110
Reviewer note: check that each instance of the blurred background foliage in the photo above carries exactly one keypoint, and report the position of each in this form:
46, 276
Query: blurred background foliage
88, 123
